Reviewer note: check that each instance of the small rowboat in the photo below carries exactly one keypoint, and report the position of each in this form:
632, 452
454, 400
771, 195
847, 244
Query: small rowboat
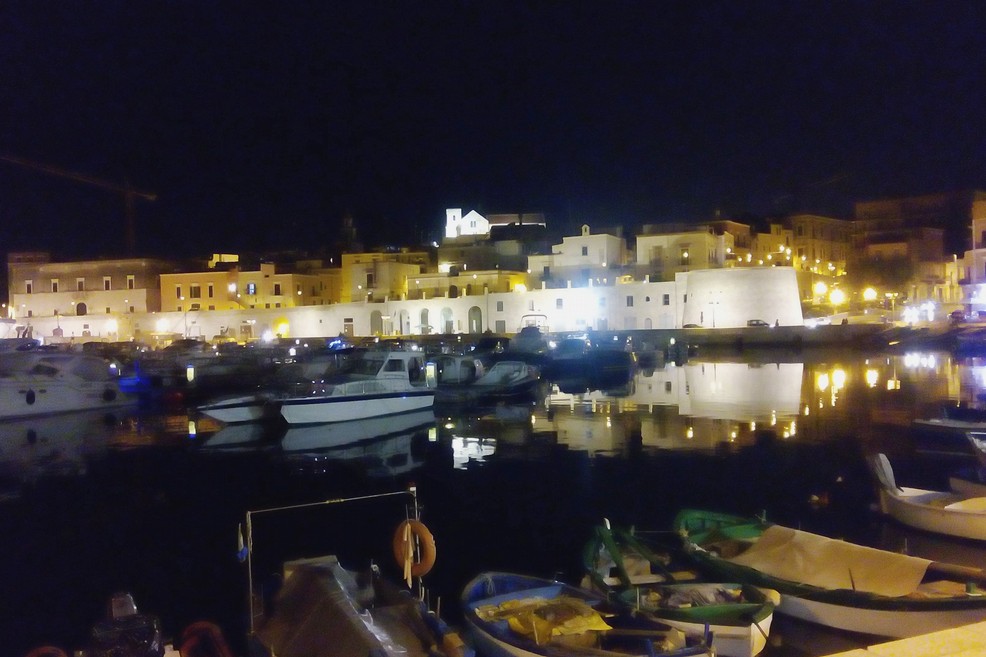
513, 615
831, 582
738, 615
953, 514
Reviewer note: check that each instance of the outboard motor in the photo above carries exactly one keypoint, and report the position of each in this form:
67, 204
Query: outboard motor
127, 633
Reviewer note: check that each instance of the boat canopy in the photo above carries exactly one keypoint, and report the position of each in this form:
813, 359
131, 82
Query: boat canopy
829, 563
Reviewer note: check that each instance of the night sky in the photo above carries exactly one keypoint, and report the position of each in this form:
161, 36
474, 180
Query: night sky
259, 125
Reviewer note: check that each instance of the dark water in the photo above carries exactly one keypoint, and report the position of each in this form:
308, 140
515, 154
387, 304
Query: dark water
149, 503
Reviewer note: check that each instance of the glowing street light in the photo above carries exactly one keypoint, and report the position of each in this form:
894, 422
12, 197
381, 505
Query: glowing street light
869, 294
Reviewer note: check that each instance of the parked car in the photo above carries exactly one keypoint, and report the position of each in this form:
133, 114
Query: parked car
756, 322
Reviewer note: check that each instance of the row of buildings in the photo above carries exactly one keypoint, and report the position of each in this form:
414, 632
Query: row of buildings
500, 272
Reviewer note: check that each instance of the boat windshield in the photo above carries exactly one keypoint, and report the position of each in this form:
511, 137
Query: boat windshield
369, 365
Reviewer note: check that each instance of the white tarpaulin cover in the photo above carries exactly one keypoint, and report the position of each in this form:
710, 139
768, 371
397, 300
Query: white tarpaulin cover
808, 558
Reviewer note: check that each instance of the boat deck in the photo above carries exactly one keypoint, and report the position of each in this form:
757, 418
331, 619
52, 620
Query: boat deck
965, 641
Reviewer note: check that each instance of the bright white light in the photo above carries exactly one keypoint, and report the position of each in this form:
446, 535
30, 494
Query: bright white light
520, 287
268, 336
869, 294
231, 287
161, 325
111, 326
837, 297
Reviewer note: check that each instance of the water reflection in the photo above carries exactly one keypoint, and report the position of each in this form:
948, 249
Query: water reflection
378, 447
510, 485
55, 446
708, 405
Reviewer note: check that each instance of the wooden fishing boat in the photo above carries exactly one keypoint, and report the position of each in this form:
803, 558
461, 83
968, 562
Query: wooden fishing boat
940, 512
325, 610
738, 615
512, 615
831, 582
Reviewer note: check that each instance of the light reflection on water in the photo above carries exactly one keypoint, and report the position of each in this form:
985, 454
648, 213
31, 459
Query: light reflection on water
535, 473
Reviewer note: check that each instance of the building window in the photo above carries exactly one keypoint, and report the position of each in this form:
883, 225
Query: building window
107, 283
369, 280
602, 302
277, 289
131, 309
80, 284
667, 387
559, 303
29, 287
195, 291
629, 302
666, 300
54, 285
107, 310
499, 306
585, 250
211, 307
194, 306
684, 299
251, 288
131, 282
211, 291
683, 256
178, 293
30, 313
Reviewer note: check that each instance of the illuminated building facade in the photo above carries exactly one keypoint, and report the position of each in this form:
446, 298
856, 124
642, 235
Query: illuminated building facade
232, 288
582, 260
664, 251
376, 276
97, 290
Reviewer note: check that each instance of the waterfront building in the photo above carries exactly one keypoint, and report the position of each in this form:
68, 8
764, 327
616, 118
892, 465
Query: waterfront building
377, 275
663, 251
96, 291
973, 264
226, 285
586, 259
820, 244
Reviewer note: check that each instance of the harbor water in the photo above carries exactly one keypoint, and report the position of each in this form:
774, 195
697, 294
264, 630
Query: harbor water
152, 500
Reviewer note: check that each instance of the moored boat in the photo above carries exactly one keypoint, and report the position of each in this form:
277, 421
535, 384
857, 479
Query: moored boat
941, 512
511, 615
326, 610
36, 383
647, 582
505, 381
832, 582
382, 383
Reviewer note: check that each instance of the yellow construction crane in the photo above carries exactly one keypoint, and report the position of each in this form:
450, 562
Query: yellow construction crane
130, 195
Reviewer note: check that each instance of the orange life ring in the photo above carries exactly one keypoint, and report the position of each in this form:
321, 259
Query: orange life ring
47, 651
404, 547
204, 639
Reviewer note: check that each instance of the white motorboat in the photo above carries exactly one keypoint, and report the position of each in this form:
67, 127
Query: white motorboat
242, 408
952, 514
382, 383
42, 383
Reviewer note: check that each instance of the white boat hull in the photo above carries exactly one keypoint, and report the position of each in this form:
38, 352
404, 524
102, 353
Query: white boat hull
730, 640
29, 397
235, 410
895, 623
911, 507
950, 514
341, 408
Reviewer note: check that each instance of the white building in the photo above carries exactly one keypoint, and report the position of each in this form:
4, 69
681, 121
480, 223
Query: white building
726, 298
457, 225
585, 259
